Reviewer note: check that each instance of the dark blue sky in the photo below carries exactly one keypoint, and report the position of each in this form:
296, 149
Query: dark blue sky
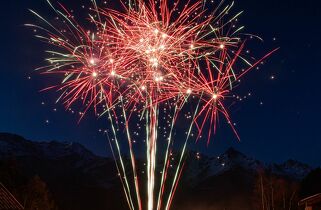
286, 125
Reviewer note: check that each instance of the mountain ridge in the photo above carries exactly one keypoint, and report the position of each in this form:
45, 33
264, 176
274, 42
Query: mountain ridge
81, 180
12, 144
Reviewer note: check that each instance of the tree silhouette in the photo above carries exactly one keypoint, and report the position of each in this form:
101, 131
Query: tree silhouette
274, 193
38, 196
311, 184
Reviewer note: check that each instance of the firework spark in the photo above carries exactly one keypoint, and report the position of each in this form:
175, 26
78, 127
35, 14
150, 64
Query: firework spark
143, 65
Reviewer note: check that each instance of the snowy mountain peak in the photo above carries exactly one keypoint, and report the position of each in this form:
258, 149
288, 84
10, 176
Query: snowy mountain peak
291, 168
14, 145
233, 153
233, 159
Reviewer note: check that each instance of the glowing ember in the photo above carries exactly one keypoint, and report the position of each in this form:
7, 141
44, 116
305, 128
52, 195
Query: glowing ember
166, 56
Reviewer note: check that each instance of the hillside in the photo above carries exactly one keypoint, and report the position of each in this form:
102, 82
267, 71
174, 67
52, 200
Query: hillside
79, 179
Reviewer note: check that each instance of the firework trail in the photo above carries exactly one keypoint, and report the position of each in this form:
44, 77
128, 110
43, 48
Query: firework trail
146, 65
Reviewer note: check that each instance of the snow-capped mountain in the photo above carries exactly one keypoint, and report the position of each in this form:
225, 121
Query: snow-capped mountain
82, 180
291, 168
11, 144
233, 159
17, 146
53, 159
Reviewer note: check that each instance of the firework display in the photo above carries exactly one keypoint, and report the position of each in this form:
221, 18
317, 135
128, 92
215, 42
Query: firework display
147, 66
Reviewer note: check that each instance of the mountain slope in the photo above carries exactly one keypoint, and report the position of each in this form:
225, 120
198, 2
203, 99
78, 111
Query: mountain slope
80, 180
77, 178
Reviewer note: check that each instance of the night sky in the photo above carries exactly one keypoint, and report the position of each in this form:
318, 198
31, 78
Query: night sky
280, 120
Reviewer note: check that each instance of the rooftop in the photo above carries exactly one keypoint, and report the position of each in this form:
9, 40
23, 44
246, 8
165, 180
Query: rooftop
8, 201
